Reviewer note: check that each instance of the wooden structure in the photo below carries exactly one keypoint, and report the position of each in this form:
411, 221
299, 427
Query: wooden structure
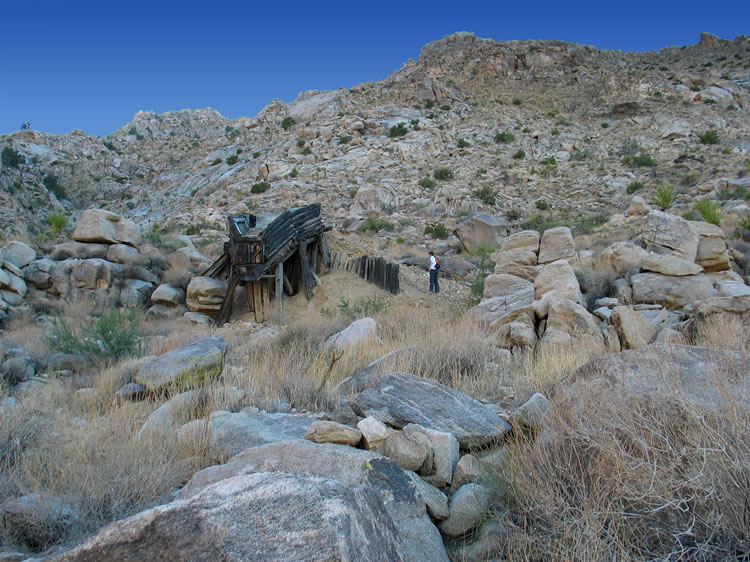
375, 270
272, 253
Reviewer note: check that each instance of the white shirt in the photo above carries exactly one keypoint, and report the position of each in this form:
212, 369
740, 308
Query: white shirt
433, 262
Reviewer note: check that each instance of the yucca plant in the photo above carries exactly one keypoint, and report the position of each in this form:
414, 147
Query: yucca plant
710, 211
664, 197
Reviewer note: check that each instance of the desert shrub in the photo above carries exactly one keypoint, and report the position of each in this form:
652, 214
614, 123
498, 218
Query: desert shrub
629, 147
307, 151
344, 139
517, 101
376, 224
596, 283
476, 289
579, 155
427, 182
155, 234
113, 335
463, 143
438, 231
512, 214
710, 211
287, 122
744, 222
504, 137
294, 173
587, 224
216, 161
633, 187
539, 222
709, 137
542, 204
260, 187
57, 222
519, 154
362, 307
11, 158
664, 197
554, 132
443, 174
605, 125
640, 161
631, 477
53, 185
133, 131
486, 194
231, 160
300, 143
445, 107
397, 130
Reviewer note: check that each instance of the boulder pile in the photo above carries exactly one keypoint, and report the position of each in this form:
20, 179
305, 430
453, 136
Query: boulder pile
674, 271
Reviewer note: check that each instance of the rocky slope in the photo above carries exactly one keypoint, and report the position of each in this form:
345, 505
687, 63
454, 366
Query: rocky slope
551, 131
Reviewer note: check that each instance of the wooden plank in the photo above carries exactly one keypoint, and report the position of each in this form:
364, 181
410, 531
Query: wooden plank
226, 306
280, 290
257, 302
218, 266
307, 279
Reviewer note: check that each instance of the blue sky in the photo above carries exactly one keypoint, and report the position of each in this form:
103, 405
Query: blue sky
92, 64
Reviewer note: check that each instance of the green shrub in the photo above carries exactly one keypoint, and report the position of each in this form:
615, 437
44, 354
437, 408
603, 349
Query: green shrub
542, 204
709, 101
307, 151
512, 214
231, 160
345, 139
709, 137
429, 104
155, 234
554, 132
477, 283
362, 308
744, 222
112, 336
443, 174
294, 173
504, 137
438, 231
549, 161
445, 107
57, 222
133, 131
109, 146
539, 223
605, 125
710, 211
398, 130
579, 155
587, 224
287, 122
300, 143
463, 143
11, 157
376, 224
487, 195
519, 154
260, 187
53, 185
634, 186
664, 197
217, 161
427, 182
517, 101
640, 161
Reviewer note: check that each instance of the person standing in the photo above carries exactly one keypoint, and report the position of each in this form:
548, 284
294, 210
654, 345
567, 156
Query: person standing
434, 268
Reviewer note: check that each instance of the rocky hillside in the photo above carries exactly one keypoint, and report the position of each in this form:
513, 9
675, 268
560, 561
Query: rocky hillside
540, 131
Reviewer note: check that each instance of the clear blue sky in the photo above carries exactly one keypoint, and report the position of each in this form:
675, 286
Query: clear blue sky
69, 64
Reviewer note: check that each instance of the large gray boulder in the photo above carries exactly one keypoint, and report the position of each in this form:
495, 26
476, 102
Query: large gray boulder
417, 539
264, 516
668, 264
78, 250
665, 233
185, 366
468, 509
481, 230
557, 244
401, 398
527, 239
358, 332
18, 253
205, 294
633, 328
621, 257
39, 273
712, 247
570, 326
669, 290
230, 434
507, 307
557, 280
98, 225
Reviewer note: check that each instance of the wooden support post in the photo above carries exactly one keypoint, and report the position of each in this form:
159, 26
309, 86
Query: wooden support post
314, 258
288, 286
257, 303
280, 290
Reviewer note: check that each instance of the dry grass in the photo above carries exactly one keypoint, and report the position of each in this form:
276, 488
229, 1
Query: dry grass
623, 475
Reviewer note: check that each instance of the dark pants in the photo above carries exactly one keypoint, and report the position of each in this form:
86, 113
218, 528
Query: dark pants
434, 286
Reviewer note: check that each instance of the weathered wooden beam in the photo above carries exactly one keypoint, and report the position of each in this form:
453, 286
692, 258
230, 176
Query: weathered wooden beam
257, 301
226, 307
280, 290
